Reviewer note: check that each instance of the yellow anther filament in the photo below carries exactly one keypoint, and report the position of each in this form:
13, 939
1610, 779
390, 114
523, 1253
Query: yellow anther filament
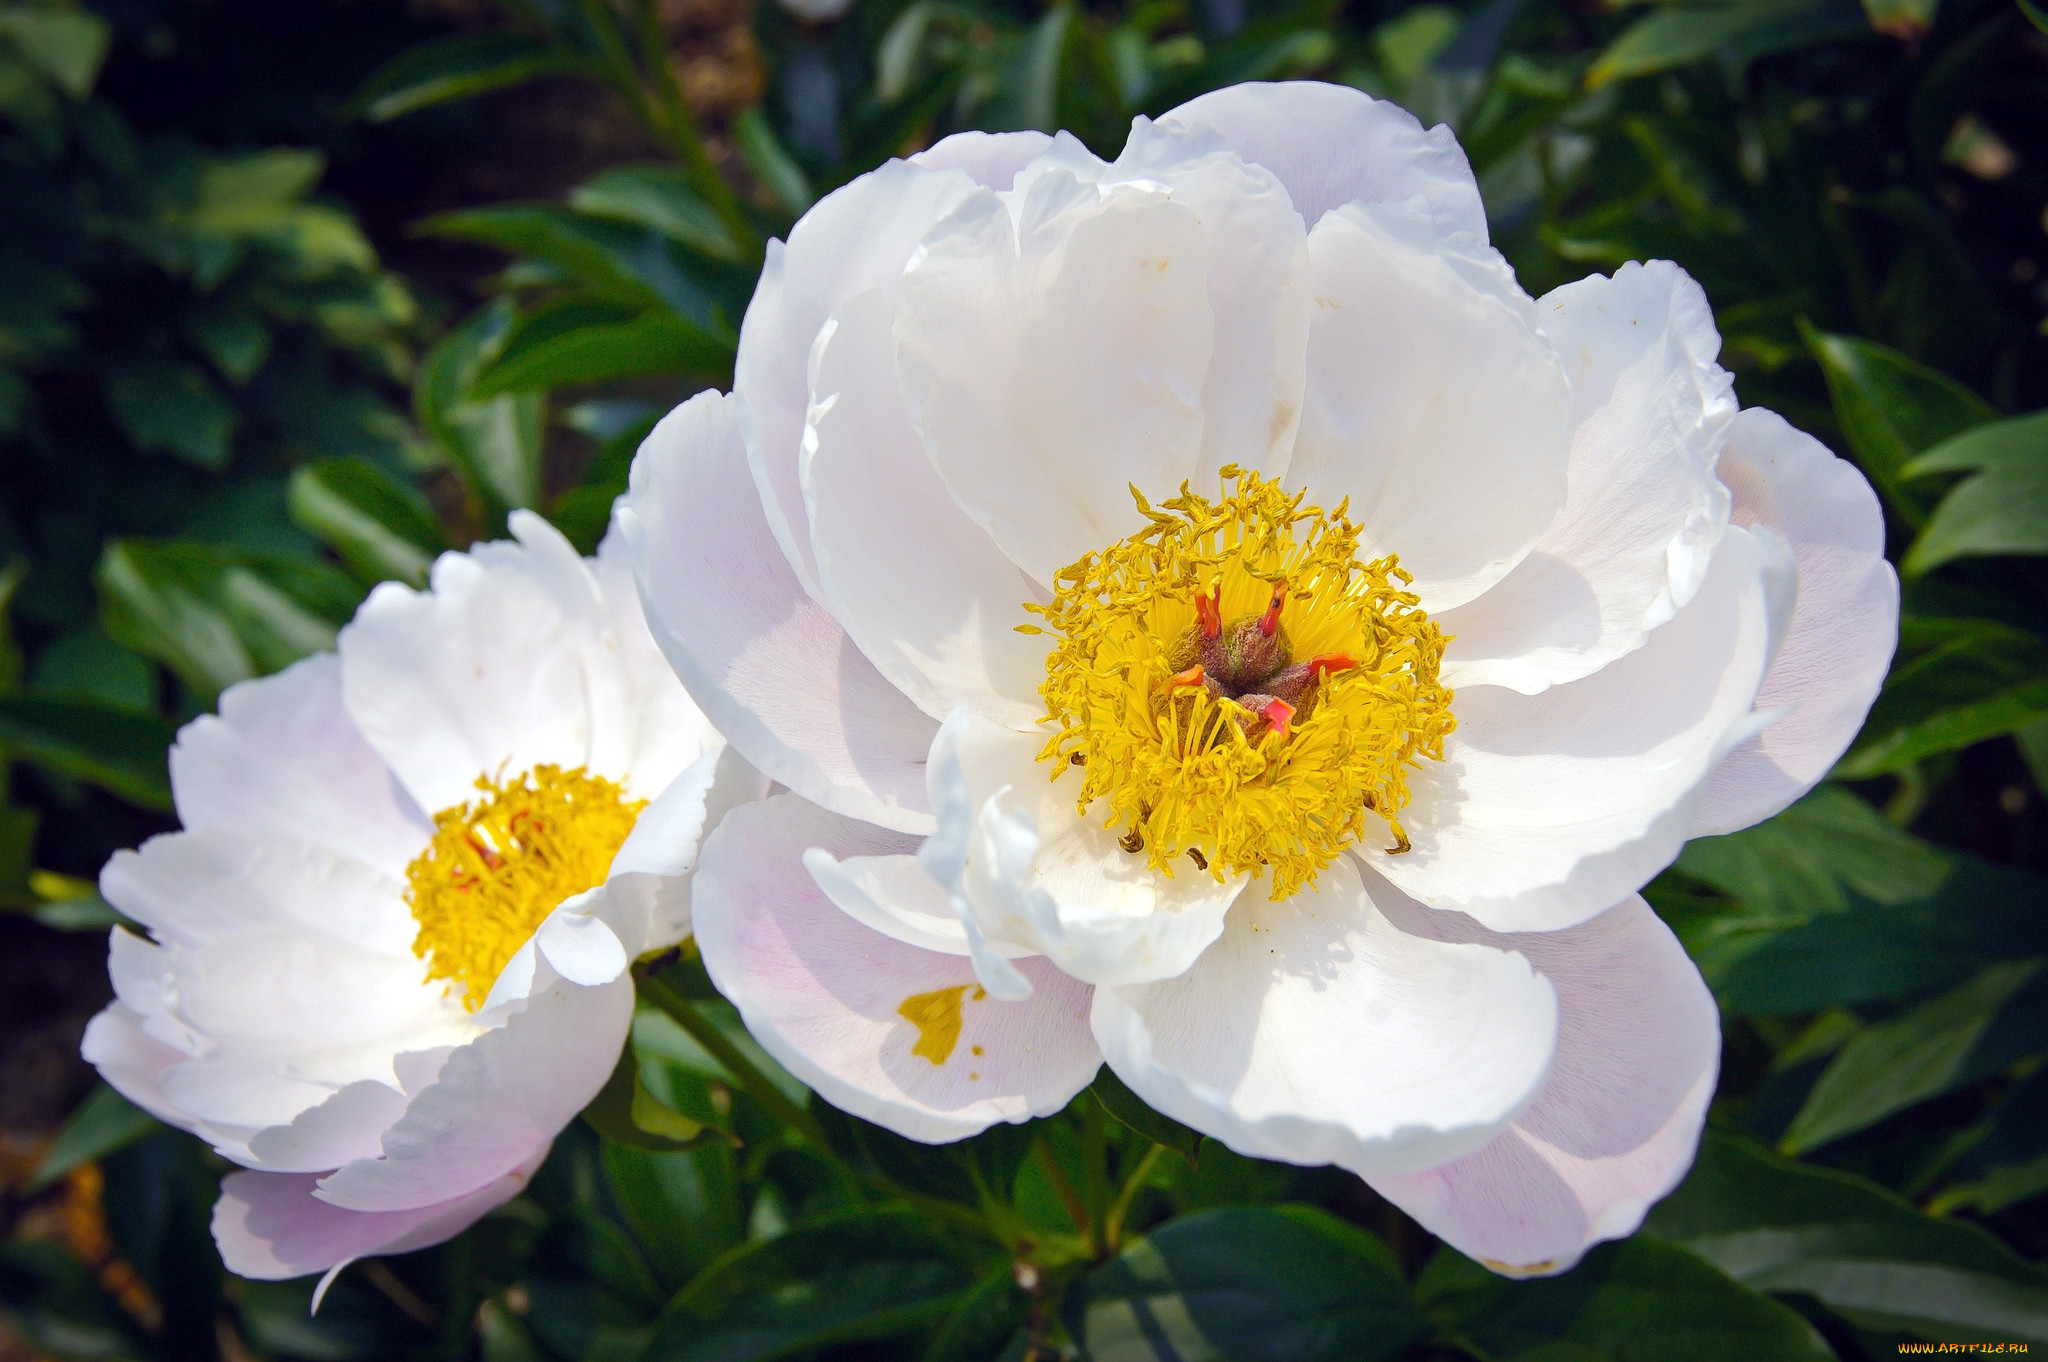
1280, 781
499, 865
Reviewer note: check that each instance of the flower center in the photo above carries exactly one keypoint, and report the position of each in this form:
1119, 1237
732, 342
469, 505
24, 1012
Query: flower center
500, 864
1239, 687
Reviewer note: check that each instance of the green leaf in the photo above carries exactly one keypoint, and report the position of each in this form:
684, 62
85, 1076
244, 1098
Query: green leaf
1286, 1282
86, 663
1860, 1250
66, 45
104, 1122
1808, 858
236, 340
1955, 682
1675, 35
547, 355
1903, 19
460, 67
2002, 509
173, 407
1636, 1301
216, 617
382, 529
684, 1206
1891, 408
1943, 1044
495, 446
1131, 1111
622, 262
625, 1111
119, 749
660, 197
851, 1275
770, 164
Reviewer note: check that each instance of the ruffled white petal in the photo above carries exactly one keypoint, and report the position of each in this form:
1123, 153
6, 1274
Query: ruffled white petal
767, 665
1844, 627
669, 733
271, 1226
881, 520
1433, 404
854, 239
1052, 349
1616, 1127
500, 667
1548, 808
494, 1100
1318, 1031
1331, 145
824, 994
283, 756
990, 158
1041, 876
647, 893
1644, 509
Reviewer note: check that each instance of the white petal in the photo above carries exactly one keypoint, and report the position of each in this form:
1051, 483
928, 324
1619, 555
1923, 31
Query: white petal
921, 588
1331, 145
346, 1126
669, 732
500, 667
1844, 627
647, 894
1041, 876
284, 757
1644, 509
1548, 808
1260, 291
1054, 359
854, 239
578, 943
494, 1101
991, 158
1616, 1127
894, 896
767, 665
1317, 1031
270, 1226
132, 1061
823, 994
1433, 403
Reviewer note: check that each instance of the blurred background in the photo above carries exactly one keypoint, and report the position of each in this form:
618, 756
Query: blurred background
295, 296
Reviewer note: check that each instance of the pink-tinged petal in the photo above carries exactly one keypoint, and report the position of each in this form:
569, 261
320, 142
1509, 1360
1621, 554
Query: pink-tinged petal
1644, 508
854, 239
495, 1100
923, 590
1318, 1031
828, 997
647, 894
1331, 145
346, 1126
1052, 364
1616, 1127
1844, 627
502, 666
283, 756
991, 158
271, 1226
1548, 808
770, 668
669, 732
132, 1061
1433, 403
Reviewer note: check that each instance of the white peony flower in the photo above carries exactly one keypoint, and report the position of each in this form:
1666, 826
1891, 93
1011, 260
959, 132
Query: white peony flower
1211, 620
391, 944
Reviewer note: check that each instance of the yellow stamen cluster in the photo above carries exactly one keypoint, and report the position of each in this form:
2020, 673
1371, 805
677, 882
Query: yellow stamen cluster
499, 865
1191, 773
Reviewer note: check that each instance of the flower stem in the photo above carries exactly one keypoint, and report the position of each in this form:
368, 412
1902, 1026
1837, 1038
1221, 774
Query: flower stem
1113, 1223
749, 1076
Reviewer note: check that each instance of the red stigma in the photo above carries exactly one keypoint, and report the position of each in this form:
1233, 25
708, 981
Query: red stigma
1324, 663
1209, 613
1193, 676
1278, 714
1269, 623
